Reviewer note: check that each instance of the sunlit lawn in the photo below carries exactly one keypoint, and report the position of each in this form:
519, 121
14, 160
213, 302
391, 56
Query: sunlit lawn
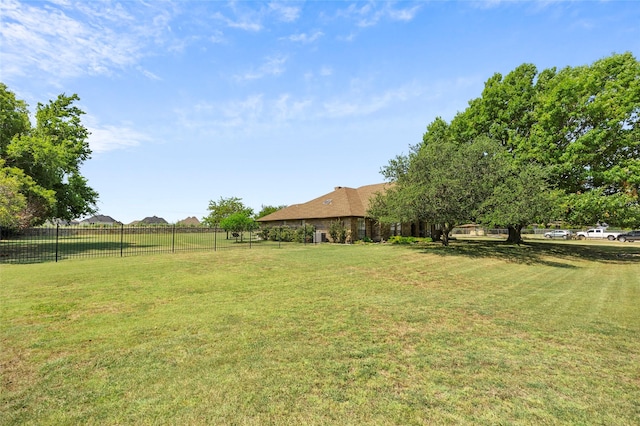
115, 242
476, 333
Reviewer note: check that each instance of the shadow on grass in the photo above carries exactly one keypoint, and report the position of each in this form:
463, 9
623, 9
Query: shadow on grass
550, 253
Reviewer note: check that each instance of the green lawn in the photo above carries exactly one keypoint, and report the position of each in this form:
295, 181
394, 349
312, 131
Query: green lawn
476, 333
80, 242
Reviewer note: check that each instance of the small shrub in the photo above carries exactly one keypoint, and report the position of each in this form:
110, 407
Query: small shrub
338, 232
281, 233
263, 232
399, 239
304, 234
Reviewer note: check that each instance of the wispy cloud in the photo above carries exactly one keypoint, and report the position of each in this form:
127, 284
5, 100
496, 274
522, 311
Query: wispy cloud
149, 74
257, 112
68, 39
273, 65
305, 38
287, 108
217, 117
285, 11
105, 138
326, 71
252, 19
359, 104
406, 14
371, 13
248, 115
246, 22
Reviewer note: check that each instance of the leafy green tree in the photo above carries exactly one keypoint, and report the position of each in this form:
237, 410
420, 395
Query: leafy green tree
224, 208
23, 201
266, 210
14, 118
520, 192
49, 155
504, 112
441, 181
581, 123
13, 201
520, 195
595, 206
587, 126
239, 222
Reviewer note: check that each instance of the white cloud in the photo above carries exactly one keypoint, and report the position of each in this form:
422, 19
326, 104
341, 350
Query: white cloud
286, 108
286, 12
371, 14
105, 138
149, 74
273, 65
247, 116
356, 104
256, 113
246, 22
326, 71
69, 39
406, 14
306, 38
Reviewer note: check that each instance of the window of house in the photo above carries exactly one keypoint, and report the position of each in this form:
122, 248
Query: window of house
362, 229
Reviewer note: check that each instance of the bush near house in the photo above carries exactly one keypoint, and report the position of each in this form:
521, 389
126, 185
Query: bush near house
338, 232
300, 234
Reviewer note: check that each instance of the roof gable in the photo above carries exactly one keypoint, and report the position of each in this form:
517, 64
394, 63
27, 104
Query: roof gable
99, 218
153, 220
190, 221
342, 202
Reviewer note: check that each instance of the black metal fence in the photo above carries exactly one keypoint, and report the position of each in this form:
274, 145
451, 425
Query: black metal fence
44, 244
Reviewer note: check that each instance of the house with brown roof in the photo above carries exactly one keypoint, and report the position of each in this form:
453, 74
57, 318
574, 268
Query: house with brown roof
190, 221
347, 205
100, 219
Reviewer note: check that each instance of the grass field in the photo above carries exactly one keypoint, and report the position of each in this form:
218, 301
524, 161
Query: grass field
476, 333
50, 244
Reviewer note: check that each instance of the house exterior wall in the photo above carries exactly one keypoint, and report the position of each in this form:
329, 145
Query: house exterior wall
353, 225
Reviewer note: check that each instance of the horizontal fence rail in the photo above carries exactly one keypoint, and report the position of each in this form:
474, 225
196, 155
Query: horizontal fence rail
52, 244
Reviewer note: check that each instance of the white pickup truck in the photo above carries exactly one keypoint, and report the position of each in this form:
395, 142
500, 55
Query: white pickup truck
597, 233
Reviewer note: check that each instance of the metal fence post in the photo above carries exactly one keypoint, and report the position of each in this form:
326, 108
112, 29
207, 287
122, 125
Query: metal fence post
121, 239
57, 233
173, 239
215, 238
250, 238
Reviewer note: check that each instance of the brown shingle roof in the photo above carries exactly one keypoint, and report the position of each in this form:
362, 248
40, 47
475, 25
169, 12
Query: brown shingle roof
190, 221
342, 202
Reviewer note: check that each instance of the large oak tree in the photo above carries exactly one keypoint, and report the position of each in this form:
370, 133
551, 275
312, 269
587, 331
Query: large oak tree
41, 176
569, 150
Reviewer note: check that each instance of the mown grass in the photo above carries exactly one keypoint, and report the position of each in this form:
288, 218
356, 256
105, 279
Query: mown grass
476, 333
88, 242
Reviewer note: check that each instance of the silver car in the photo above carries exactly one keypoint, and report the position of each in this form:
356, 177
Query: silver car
558, 233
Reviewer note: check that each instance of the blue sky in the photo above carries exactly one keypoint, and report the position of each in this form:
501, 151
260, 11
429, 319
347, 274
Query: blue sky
276, 102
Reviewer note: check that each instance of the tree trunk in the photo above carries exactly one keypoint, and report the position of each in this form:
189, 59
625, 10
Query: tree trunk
515, 236
445, 234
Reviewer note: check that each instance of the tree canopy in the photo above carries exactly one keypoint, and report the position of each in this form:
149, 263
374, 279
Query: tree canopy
223, 208
558, 145
239, 222
266, 210
40, 176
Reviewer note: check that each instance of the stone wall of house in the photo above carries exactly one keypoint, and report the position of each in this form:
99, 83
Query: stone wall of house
373, 231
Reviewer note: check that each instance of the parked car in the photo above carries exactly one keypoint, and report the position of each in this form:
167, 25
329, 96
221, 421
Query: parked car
558, 233
599, 233
629, 236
